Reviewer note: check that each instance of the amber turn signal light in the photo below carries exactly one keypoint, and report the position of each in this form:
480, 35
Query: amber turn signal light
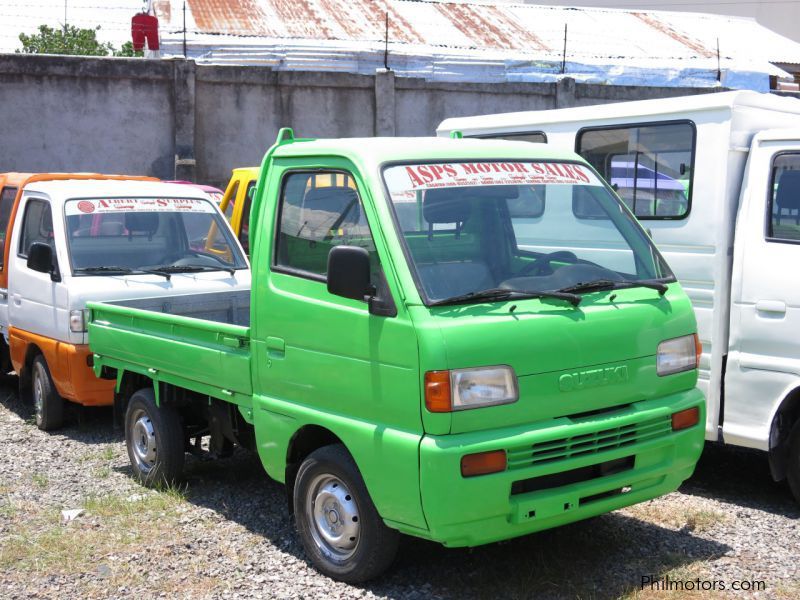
685, 418
483, 463
437, 391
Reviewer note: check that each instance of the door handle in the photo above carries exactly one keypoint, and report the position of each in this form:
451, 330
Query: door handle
775, 307
17, 299
276, 347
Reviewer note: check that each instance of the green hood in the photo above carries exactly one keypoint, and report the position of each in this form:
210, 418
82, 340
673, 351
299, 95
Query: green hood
568, 361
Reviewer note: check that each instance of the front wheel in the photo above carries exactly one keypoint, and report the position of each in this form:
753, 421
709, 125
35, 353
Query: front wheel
47, 403
342, 532
793, 464
154, 439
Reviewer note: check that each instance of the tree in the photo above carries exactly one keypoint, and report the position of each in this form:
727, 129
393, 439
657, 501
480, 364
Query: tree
127, 50
70, 40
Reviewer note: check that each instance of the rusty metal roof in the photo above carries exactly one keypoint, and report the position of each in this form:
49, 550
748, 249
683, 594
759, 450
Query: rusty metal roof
480, 25
476, 40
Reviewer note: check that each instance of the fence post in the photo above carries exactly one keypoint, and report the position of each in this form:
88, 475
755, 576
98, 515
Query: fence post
385, 113
183, 86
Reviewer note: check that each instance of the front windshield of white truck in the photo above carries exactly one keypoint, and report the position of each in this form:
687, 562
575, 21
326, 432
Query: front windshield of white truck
109, 236
485, 230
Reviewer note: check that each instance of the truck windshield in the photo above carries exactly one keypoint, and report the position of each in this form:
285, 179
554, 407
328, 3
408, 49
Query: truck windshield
487, 231
107, 236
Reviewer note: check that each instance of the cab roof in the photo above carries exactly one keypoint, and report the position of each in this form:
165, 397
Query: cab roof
374, 152
62, 190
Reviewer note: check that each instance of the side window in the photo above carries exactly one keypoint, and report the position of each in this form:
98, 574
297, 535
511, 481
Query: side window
784, 198
37, 226
319, 211
7, 196
649, 166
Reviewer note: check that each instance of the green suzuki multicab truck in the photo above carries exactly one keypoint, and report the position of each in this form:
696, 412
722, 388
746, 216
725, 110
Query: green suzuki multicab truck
436, 344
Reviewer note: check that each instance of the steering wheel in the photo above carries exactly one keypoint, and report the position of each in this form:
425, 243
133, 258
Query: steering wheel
542, 264
198, 259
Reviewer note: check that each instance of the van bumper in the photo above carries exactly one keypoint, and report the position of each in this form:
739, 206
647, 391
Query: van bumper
558, 472
69, 367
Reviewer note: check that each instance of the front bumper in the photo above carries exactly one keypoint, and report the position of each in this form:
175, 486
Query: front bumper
558, 472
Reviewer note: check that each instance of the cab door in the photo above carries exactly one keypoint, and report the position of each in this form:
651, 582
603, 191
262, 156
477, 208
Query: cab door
764, 352
37, 303
325, 360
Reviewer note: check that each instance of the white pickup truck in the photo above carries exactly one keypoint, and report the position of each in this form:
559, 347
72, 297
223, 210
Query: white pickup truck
716, 181
71, 241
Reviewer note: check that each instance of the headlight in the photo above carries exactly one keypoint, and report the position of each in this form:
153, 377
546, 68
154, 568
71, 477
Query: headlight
461, 389
78, 320
678, 354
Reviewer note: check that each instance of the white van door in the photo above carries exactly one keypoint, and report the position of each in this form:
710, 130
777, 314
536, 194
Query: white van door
35, 300
764, 349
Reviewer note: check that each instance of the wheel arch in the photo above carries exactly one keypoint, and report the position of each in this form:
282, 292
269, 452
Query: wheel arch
302, 443
30, 354
128, 382
785, 417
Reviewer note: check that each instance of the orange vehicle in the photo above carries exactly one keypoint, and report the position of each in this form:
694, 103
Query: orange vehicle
11, 187
79, 237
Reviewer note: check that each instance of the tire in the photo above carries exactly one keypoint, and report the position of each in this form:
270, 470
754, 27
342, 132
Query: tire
793, 462
154, 439
342, 532
48, 405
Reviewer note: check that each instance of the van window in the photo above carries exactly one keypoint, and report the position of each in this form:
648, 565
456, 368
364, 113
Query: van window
649, 166
37, 226
784, 209
7, 196
319, 211
537, 137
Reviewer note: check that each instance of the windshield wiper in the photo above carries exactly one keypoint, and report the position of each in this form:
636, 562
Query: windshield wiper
121, 271
194, 269
610, 284
504, 294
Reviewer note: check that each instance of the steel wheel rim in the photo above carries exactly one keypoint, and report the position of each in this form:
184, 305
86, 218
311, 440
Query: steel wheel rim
333, 516
143, 442
38, 393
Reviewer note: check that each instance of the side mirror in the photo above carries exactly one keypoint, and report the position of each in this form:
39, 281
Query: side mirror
41, 259
348, 272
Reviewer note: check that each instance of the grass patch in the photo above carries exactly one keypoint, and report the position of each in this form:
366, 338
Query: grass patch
677, 516
112, 525
102, 472
40, 480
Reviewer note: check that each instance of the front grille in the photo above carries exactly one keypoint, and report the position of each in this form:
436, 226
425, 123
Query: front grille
550, 451
554, 480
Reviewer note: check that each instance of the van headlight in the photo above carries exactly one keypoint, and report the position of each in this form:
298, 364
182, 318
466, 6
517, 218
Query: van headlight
462, 389
78, 320
678, 355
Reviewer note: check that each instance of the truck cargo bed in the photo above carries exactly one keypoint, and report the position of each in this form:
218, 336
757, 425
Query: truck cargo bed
197, 341
223, 307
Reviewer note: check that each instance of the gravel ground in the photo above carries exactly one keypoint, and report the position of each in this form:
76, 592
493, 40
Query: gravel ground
228, 534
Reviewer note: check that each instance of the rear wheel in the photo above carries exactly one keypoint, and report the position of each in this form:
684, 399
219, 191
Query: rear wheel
793, 464
154, 439
342, 532
48, 405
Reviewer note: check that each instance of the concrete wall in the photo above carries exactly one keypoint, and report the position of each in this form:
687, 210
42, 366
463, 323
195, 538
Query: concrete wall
175, 119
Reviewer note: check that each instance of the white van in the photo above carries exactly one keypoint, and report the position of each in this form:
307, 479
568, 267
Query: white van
716, 180
79, 240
